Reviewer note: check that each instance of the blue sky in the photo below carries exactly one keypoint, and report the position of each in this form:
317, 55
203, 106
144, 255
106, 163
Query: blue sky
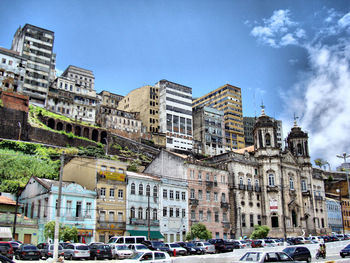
292, 55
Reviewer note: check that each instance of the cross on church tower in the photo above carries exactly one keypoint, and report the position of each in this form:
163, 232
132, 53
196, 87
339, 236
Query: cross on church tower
295, 120
262, 108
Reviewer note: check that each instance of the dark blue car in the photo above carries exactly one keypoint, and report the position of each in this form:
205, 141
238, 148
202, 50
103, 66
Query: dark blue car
345, 251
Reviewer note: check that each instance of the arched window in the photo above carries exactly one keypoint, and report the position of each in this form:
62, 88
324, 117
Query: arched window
268, 139
223, 197
140, 213
208, 216
148, 190
303, 185
271, 180
155, 191
249, 182
299, 149
291, 183
155, 214
141, 189
240, 180
256, 183
132, 189
132, 212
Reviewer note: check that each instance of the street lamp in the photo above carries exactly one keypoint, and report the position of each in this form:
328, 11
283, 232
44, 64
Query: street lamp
341, 210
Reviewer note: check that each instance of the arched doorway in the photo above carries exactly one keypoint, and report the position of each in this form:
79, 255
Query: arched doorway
77, 130
86, 132
51, 123
94, 136
68, 127
103, 137
59, 126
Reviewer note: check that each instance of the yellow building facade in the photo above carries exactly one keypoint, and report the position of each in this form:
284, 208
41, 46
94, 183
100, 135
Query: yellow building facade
146, 101
227, 98
107, 178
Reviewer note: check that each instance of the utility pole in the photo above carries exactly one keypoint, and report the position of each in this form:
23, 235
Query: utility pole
149, 218
15, 216
57, 221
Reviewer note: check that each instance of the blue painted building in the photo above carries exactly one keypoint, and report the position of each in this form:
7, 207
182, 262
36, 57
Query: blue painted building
334, 215
78, 206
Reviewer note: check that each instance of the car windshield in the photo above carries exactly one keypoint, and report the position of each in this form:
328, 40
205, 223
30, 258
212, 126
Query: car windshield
190, 245
157, 244
140, 247
30, 248
206, 244
289, 250
121, 247
52, 247
82, 248
348, 246
175, 245
113, 240
137, 256
251, 256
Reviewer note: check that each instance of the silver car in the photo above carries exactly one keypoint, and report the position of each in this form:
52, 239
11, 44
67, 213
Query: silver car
76, 250
121, 251
208, 248
261, 257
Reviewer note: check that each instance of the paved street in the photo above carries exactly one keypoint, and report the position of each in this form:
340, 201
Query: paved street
332, 254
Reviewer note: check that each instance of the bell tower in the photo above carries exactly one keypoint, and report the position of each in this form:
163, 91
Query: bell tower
297, 141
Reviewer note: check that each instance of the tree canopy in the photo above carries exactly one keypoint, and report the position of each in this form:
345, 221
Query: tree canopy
198, 231
65, 233
260, 232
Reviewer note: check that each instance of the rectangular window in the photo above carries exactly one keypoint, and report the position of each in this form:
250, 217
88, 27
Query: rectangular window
177, 212
171, 212
165, 193
176, 123
183, 196
182, 125
177, 195
200, 215
243, 220
69, 208
103, 192
165, 210
102, 216
78, 209
88, 209
208, 216
171, 194
183, 213
216, 216
215, 196
111, 216
192, 194
169, 119
208, 196
251, 220
189, 126
111, 193
200, 194
120, 194
193, 215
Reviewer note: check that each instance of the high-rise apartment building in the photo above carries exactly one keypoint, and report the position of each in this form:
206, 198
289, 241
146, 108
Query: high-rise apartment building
227, 98
209, 131
175, 115
35, 44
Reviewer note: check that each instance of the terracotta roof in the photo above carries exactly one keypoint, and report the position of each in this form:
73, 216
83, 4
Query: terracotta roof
248, 149
6, 200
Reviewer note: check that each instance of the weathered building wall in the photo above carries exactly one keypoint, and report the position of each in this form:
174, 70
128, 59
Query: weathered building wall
9, 124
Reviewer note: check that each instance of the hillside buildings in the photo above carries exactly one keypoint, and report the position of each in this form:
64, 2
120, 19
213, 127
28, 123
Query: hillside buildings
227, 98
12, 70
175, 115
35, 44
208, 131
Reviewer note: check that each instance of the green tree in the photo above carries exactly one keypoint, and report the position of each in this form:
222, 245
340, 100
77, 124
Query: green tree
66, 233
260, 232
198, 231
70, 234
93, 151
321, 163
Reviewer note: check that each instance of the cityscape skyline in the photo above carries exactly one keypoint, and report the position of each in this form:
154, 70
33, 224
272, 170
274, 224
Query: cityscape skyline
285, 50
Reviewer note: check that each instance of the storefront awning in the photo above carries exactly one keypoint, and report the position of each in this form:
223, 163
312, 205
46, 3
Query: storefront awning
154, 234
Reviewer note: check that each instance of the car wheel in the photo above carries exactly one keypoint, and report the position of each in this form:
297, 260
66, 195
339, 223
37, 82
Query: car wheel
71, 257
308, 259
17, 257
95, 257
342, 256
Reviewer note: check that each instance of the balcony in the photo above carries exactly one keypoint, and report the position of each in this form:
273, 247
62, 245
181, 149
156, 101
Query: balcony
226, 225
143, 222
194, 202
249, 188
241, 187
209, 183
77, 218
306, 192
257, 189
224, 205
272, 188
318, 197
7, 220
101, 224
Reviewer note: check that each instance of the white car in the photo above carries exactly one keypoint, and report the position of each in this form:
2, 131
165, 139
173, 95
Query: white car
209, 248
139, 248
153, 256
242, 243
121, 251
176, 247
262, 257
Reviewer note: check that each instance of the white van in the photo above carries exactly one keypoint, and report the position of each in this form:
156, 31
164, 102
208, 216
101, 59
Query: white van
126, 240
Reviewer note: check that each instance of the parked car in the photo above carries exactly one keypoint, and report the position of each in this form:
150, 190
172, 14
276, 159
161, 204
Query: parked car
6, 249
100, 251
240, 244
176, 247
136, 248
76, 250
221, 245
256, 243
208, 248
191, 248
121, 251
47, 252
15, 245
298, 253
261, 257
4, 259
345, 252
156, 245
152, 256
27, 251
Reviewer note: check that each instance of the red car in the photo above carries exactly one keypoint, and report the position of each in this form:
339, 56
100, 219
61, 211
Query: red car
6, 249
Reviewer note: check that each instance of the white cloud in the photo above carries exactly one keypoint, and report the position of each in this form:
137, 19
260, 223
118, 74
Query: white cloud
275, 31
344, 21
58, 72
